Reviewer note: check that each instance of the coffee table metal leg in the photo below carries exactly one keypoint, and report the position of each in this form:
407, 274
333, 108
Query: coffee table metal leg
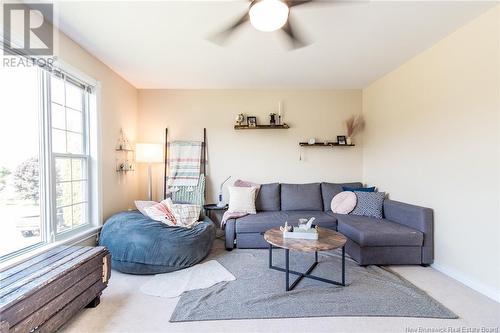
287, 269
270, 256
343, 265
306, 274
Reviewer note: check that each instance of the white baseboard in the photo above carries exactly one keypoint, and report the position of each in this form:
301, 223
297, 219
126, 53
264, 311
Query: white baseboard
479, 287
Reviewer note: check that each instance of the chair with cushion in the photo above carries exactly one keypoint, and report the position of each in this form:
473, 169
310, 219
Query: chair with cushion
140, 245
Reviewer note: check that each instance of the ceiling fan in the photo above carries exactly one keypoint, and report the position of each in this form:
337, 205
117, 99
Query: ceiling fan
268, 15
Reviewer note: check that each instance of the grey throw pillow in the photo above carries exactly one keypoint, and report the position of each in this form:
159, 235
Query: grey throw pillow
369, 204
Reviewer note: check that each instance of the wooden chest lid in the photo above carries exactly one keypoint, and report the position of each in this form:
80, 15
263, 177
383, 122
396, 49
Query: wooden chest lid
21, 281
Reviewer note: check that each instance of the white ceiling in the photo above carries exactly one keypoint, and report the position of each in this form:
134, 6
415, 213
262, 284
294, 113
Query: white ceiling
164, 45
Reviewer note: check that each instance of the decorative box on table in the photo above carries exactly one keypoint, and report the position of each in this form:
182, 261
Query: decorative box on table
297, 234
305, 230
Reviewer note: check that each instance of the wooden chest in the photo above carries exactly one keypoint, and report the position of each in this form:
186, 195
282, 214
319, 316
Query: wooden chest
43, 293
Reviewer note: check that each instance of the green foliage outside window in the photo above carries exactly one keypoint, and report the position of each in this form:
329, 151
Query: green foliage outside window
4, 173
27, 180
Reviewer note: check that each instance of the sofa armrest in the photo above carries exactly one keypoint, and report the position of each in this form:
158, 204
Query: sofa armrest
230, 233
416, 217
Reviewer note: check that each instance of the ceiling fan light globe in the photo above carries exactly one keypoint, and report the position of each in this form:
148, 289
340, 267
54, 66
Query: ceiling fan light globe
268, 15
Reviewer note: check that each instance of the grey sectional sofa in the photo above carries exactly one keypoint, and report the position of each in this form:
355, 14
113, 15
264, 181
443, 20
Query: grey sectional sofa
403, 236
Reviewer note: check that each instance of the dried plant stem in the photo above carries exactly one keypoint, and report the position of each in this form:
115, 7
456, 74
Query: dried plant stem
354, 125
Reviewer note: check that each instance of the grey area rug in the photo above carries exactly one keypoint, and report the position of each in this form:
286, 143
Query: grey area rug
258, 292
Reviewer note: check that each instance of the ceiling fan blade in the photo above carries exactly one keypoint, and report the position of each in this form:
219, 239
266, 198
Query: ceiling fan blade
296, 42
237, 23
294, 3
221, 37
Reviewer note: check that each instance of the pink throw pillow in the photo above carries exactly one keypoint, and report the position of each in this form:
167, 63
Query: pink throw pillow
244, 183
161, 213
344, 202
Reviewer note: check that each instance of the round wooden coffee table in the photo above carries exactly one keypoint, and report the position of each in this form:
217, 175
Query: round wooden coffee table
327, 240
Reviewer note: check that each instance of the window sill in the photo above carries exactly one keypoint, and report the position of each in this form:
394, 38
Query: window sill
84, 235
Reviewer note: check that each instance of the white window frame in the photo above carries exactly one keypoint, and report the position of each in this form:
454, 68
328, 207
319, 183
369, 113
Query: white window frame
92, 137
92, 155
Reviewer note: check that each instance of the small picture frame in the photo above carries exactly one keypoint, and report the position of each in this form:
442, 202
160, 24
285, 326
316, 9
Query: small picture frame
252, 121
341, 140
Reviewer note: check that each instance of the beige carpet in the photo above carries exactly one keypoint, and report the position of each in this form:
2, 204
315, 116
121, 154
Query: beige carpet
124, 308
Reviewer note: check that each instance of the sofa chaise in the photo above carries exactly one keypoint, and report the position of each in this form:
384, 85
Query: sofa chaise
403, 236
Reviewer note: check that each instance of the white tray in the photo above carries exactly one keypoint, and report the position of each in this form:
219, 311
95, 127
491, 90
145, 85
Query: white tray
300, 235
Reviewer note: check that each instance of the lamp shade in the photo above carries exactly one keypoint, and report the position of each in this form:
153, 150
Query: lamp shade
149, 153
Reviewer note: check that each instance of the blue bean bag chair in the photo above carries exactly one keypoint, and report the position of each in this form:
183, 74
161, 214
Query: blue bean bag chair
140, 245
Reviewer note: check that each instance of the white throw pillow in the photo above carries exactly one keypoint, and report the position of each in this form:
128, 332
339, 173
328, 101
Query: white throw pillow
142, 205
344, 202
242, 199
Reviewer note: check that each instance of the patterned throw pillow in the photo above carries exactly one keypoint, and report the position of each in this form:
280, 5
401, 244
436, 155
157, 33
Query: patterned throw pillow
186, 215
160, 212
369, 204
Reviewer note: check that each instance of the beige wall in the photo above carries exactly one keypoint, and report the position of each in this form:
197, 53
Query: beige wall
433, 139
256, 155
118, 109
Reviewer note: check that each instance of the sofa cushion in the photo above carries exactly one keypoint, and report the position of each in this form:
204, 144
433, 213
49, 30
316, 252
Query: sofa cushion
321, 219
367, 231
335, 215
301, 197
268, 199
263, 221
329, 190
260, 222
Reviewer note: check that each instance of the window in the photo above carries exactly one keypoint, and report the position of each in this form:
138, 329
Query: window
20, 187
70, 153
48, 161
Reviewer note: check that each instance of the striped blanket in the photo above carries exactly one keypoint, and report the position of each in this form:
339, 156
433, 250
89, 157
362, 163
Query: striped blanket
194, 196
184, 163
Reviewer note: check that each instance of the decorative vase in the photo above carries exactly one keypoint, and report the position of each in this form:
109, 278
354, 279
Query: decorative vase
349, 140
239, 119
272, 120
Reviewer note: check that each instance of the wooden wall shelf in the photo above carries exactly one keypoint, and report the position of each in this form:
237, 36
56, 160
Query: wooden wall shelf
125, 171
245, 127
324, 144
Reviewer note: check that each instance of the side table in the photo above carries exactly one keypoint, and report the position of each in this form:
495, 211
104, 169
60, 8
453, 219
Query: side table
213, 208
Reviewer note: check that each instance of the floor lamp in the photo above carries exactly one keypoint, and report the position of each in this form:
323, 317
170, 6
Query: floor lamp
149, 153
